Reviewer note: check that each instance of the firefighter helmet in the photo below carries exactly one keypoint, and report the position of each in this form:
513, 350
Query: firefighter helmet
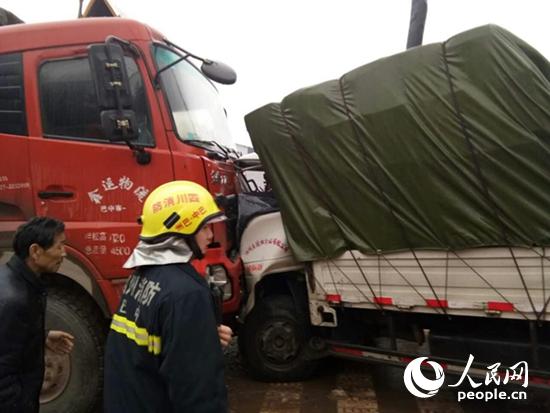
177, 208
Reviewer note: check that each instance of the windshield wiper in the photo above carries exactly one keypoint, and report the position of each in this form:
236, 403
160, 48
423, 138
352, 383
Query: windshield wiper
228, 153
225, 149
212, 147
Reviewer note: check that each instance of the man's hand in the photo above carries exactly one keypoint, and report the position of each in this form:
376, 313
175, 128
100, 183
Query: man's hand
225, 334
59, 342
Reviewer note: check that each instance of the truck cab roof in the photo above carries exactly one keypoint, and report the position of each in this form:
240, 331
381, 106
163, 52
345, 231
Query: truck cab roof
21, 37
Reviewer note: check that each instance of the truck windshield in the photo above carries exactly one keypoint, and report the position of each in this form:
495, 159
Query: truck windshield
194, 101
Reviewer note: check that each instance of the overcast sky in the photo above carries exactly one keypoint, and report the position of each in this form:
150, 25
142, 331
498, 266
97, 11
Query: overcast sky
279, 46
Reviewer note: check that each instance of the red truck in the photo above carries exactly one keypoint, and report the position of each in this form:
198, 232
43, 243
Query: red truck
94, 114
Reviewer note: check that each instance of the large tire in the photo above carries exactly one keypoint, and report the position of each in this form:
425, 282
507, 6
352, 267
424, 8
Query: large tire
74, 383
273, 341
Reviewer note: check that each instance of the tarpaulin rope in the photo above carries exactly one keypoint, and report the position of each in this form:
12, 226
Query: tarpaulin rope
356, 286
384, 197
307, 161
491, 286
479, 174
543, 258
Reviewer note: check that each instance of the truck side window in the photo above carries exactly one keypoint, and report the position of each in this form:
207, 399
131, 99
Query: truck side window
69, 103
12, 96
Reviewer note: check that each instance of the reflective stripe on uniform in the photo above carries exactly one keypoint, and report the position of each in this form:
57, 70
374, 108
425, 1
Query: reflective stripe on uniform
137, 334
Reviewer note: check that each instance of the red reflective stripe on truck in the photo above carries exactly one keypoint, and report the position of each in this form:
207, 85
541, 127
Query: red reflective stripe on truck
435, 303
347, 350
334, 298
499, 306
539, 380
384, 300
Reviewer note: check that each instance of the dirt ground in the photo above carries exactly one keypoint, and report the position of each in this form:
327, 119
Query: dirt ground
341, 386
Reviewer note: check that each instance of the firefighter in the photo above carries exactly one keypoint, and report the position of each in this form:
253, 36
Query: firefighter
163, 352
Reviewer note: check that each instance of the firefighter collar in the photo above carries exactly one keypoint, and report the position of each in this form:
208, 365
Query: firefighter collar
173, 250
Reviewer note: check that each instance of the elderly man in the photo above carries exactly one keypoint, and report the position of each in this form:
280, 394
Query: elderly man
39, 247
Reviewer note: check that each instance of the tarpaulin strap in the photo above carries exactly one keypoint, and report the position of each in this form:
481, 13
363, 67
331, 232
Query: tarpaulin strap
373, 301
478, 172
543, 258
487, 282
384, 196
138, 335
424, 299
307, 161
379, 274
543, 278
446, 273
365, 278
332, 277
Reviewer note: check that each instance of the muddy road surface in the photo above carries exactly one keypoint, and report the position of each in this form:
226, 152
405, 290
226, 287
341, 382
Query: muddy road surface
342, 386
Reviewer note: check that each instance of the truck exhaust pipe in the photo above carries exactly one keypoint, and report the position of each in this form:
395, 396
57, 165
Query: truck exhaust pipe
419, 10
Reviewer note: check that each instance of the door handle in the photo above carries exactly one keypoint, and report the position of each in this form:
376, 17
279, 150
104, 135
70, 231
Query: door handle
55, 194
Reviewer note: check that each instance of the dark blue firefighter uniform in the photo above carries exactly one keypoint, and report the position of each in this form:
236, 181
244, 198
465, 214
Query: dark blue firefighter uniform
163, 353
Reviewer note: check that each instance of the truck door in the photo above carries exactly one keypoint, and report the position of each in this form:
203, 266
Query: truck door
96, 186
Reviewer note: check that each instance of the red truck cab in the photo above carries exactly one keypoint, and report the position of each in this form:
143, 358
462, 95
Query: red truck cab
59, 158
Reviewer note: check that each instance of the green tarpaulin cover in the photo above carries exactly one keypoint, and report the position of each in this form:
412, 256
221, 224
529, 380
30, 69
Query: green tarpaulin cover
444, 146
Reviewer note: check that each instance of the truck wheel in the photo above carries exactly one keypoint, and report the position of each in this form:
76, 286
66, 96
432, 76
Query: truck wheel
273, 341
73, 384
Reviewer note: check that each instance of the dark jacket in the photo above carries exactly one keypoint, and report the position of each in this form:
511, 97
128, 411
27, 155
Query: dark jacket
22, 309
163, 352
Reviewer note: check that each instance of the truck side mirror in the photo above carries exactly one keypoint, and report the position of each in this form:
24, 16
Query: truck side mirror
219, 72
119, 126
112, 87
110, 75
